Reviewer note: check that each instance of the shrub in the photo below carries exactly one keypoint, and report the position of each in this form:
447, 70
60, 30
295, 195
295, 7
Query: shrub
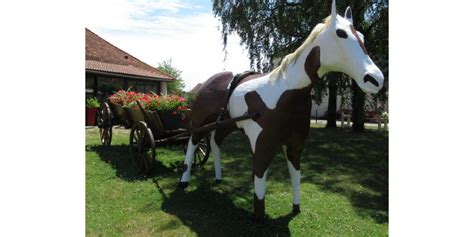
92, 102
173, 104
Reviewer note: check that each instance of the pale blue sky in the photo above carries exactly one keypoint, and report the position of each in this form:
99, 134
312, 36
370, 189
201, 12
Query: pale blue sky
155, 30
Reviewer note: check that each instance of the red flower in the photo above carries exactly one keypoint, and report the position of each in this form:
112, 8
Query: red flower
151, 101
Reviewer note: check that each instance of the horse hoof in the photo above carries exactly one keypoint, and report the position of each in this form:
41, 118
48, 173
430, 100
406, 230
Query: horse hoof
218, 181
183, 185
296, 208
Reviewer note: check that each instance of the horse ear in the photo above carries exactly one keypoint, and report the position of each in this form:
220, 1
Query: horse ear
348, 14
333, 12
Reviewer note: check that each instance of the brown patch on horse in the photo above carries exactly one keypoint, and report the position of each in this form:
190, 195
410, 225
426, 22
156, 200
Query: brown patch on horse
289, 120
222, 133
312, 64
358, 39
295, 145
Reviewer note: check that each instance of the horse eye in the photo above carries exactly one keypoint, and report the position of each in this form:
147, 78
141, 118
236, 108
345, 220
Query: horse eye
341, 33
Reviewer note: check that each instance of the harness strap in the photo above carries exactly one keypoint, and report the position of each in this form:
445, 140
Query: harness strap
232, 85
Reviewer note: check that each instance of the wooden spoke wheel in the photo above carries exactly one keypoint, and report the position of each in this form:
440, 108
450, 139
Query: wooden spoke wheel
201, 155
104, 122
142, 147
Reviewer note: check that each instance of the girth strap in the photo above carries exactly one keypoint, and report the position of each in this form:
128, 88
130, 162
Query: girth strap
232, 85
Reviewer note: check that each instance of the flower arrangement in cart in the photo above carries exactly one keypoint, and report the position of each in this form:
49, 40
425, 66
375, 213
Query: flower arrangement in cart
172, 104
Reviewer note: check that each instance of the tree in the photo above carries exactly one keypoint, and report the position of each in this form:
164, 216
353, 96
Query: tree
273, 29
332, 100
177, 85
338, 85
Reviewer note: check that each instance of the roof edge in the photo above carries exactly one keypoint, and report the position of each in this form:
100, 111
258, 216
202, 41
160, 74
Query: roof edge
123, 75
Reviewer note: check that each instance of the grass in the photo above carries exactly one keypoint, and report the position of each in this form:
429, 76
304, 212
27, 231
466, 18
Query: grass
344, 190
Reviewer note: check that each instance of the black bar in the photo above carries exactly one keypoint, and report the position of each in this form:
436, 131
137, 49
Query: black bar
211, 126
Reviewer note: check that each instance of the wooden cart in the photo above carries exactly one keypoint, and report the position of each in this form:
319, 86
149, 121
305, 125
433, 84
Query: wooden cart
147, 133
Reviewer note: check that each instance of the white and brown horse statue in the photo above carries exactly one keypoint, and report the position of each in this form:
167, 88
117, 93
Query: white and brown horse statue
282, 100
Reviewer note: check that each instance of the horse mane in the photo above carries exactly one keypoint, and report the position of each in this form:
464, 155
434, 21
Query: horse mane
278, 71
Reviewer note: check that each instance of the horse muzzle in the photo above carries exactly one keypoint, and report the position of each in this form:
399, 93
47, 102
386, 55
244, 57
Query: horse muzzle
372, 82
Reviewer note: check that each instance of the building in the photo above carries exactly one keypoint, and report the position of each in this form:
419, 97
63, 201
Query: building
109, 69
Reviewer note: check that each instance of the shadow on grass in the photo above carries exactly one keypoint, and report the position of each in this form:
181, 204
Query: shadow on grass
118, 156
355, 165
208, 212
337, 160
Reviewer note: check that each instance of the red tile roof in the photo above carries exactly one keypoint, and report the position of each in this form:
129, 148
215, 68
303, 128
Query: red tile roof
102, 56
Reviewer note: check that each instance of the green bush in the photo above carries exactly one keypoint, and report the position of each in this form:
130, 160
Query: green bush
92, 103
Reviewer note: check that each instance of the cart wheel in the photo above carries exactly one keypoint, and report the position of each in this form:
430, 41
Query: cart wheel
104, 122
142, 147
202, 151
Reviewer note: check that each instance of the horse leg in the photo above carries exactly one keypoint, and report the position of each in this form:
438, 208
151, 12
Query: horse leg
216, 155
264, 145
261, 162
217, 136
188, 162
292, 156
259, 197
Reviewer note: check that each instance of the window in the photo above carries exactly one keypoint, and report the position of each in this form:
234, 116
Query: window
152, 86
89, 82
89, 85
107, 86
149, 87
144, 86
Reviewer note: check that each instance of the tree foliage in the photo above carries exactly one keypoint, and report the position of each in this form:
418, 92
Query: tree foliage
177, 85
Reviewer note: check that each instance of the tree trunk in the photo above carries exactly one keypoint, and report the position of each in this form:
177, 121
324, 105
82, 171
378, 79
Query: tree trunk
358, 113
332, 101
358, 96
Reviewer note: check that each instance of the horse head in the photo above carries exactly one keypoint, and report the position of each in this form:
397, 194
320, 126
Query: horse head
342, 50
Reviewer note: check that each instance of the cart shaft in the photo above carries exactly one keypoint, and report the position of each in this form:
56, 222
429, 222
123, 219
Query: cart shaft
211, 126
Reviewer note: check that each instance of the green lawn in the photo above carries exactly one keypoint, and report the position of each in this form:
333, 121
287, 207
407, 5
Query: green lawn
344, 190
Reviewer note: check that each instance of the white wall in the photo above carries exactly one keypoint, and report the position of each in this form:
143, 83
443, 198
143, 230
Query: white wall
164, 87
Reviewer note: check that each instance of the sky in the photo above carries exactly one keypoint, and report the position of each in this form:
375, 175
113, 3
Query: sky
181, 30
